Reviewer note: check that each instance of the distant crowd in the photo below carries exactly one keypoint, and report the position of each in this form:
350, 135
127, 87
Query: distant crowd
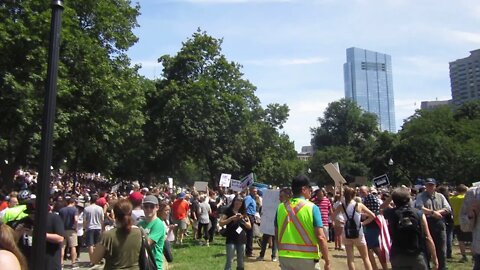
109, 221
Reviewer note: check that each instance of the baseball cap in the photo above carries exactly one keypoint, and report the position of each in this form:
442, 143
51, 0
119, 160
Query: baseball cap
180, 195
150, 199
430, 181
136, 197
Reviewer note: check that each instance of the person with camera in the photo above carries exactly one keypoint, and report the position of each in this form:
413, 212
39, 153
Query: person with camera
237, 222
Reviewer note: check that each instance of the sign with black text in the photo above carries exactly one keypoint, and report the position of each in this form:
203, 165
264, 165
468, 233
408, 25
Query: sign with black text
381, 181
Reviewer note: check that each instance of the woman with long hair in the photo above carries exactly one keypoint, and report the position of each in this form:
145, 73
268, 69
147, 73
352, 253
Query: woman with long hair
121, 245
10, 255
164, 214
356, 209
338, 223
237, 221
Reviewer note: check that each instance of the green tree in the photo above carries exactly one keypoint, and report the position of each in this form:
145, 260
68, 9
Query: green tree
100, 97
346, 135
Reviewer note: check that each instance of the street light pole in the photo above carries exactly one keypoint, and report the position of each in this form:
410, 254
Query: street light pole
49, 107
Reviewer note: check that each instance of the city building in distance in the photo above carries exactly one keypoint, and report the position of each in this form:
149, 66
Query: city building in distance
368, 82
465, 78
428, 105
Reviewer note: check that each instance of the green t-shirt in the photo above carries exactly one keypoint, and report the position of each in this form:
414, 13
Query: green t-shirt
122, 250
155, 230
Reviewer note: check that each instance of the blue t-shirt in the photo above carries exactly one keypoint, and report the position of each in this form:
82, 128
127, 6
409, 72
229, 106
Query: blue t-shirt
68, 214
250, 205
317, 217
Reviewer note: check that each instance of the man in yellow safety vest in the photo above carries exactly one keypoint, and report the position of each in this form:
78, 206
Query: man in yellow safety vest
299, 230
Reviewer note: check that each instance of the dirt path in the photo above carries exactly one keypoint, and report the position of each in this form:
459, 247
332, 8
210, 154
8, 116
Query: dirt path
339, 260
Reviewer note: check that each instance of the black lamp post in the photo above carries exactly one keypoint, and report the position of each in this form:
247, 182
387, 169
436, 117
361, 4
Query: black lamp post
43, 193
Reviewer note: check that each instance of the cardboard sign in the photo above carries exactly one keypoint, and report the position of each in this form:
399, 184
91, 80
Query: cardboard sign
269, 209
334, 174
200, 186
236, 185
381, 181
225, 180
361, 180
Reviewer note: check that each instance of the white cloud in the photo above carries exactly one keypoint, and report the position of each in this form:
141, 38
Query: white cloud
147, 63
286, 62
464, 36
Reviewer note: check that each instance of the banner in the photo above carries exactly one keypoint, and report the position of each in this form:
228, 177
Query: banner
225, 180
116, 187
248, 180
236, 185
270, 203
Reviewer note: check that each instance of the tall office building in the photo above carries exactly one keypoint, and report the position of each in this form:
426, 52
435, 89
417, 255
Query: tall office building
368, 81
465, 78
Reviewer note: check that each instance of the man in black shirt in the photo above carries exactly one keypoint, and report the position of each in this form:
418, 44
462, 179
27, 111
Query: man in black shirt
54, 238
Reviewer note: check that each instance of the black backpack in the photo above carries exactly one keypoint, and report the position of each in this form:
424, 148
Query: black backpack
407, 234
352, 230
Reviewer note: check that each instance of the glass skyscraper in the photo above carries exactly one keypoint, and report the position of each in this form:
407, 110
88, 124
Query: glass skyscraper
368, 81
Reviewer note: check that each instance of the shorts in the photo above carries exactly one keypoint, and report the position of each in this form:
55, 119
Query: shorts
461, 235
372, 233
181, 223
71, 239
360, 241
92, 237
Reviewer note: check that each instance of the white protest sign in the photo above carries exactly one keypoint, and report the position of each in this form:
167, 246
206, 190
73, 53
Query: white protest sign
200, 186
225, 180
236, 185
269, 209
170, 182
334, 174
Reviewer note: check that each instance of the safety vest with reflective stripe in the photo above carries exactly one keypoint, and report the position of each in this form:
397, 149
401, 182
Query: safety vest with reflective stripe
296, 235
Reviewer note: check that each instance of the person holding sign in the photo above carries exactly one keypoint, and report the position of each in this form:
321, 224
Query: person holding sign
299, 230
237, 222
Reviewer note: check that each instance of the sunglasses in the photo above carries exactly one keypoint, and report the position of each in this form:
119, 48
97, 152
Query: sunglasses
149, 206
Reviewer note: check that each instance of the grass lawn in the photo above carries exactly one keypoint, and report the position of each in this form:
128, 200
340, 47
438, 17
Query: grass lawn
190, 255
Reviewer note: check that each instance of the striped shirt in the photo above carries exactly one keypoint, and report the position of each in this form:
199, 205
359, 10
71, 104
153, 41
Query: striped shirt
325, 207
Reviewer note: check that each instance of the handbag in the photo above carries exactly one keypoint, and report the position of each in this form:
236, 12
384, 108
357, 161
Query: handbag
146, 260
167, 251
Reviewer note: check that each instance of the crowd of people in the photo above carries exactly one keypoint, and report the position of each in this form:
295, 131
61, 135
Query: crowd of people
109, 222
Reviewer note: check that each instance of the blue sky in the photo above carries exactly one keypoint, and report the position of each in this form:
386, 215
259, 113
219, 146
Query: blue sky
294, 50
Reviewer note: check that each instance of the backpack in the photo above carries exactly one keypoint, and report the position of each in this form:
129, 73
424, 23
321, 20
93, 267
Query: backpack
407, 233
352, 230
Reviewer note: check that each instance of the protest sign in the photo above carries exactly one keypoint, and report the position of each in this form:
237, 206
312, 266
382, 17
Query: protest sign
269, 209
248, 180
236, 185
170, 182
334, 174
225, 180
381, 181
200, 186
